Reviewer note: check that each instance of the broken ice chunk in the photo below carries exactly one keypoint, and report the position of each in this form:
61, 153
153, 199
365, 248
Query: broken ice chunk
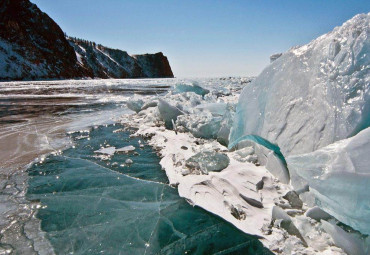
226, 124
317, 214
268, 154
339, 177
126, 149
208, 161
312, 95
168, 113
194, 87
129, 161
214, 108
149, 104
261, 183
246, 155
135, 104
107, 151
293, 199
201, 124
279, 214
211, 121
350, 243
286, 223
251, 201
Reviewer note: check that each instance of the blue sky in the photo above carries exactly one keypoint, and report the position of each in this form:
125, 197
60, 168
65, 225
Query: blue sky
202, 38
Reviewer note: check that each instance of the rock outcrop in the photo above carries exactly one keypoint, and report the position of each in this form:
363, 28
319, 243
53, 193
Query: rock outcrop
33, 46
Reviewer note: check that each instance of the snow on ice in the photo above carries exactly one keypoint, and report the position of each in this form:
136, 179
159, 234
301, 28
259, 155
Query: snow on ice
280, 168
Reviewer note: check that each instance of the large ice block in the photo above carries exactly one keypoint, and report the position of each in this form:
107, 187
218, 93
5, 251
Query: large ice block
312, 95
339, 177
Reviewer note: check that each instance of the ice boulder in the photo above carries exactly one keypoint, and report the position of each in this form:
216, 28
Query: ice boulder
194, 87
339, 177
313, 95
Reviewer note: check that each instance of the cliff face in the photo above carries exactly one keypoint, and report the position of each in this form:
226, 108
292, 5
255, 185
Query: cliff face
104, 62
154, 65
33, 46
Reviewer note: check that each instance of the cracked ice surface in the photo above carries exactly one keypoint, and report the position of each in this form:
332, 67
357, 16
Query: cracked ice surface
93, 206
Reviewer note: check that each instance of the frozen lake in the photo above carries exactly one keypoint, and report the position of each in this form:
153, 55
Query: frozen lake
77, 201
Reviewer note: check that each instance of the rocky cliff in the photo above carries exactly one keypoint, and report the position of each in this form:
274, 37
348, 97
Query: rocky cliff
33, 46
104, 62
154, 65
